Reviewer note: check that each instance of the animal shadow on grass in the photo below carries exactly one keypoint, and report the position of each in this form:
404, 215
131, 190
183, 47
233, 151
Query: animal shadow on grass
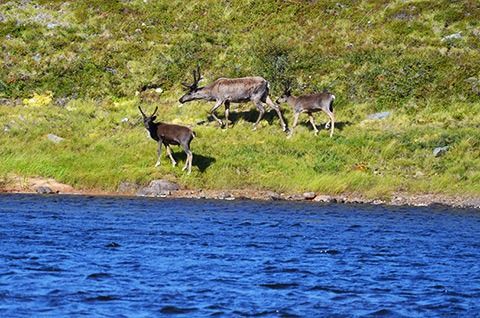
248, 116
340, 125
200, 161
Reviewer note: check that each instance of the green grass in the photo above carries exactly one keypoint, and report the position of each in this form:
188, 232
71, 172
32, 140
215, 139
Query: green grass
83, 62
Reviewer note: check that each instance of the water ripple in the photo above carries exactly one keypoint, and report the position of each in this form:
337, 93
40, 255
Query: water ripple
121, 257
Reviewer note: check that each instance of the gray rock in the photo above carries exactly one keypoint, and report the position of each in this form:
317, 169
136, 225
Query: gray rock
323, 198
54, 138
158, 188
274, 196
44, 190
52, 25
404, 16
111, 70
440, 151
295, 197
62, 101
381, 115
37, 57
454, 36
378, 202
164, 185
309, 195
226, 196
475, 82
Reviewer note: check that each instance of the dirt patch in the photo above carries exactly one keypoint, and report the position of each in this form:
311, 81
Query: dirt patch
16, 184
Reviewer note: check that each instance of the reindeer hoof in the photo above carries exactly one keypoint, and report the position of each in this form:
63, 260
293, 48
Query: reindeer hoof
157, 165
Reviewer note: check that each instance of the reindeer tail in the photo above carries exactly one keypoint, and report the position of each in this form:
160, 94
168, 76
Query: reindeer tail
331, 103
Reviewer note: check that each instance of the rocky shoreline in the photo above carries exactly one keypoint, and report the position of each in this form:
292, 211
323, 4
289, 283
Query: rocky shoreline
168, 189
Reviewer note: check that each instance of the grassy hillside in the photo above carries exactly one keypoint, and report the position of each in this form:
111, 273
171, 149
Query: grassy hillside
74, 69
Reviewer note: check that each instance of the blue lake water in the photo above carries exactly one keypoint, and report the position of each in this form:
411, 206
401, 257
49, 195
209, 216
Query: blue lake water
135, 257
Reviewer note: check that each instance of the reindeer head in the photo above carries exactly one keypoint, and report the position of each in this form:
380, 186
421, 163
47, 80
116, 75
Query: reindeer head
193, 88
148, 120
287, 92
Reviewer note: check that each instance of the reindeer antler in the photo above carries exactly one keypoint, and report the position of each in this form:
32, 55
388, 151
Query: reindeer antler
288, 87
143, 114
196, 78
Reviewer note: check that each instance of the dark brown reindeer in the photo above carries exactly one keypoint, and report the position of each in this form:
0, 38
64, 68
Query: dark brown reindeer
169, 134
232, 90
309, 104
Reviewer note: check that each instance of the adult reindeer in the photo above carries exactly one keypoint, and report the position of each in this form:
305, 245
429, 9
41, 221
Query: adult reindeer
232, 90
169, 134
309, 104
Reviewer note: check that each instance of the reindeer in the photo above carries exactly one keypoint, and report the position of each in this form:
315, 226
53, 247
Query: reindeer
232, 90
169, 134
309, 104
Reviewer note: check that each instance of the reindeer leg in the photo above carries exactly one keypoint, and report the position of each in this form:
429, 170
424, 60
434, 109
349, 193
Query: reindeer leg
332, 120
279, 113
188, 162
227, 112
212, 112
295, 121
312, 121
169, 153
159, 153
261, 111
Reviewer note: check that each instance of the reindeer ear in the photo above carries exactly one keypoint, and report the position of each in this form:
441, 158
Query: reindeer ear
287, 91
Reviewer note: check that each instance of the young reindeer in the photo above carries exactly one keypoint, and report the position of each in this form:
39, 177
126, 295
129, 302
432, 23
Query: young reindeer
310, 104
169, 134
232, 90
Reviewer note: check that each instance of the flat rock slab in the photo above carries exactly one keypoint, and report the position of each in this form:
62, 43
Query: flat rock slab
323, 198
44, 190
309, 195
54, 138
378, 116
158, 188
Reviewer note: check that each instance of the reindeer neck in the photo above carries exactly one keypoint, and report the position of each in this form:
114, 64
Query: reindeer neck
292, 100
153, 129
206, 93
